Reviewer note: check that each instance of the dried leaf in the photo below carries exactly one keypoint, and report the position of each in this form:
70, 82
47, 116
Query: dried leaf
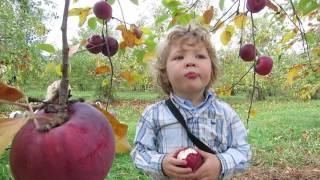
208, 15
127, 75
224, 90
120, 131
9, 93
8, 129
103, 69
253, 113
129, 37
316, 51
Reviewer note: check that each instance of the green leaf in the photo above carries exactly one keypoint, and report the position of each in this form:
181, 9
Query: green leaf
46, 47
311, 37
171, 4
111, 1
221, 4
160, 19
136, 2
92, 23
184, 19
139, 54
146, 30
307, 6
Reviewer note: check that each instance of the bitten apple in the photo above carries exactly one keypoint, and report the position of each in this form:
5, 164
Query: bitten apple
264, 65
193, 158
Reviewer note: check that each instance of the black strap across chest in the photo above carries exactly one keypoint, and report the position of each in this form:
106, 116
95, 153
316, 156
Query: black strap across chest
174, 110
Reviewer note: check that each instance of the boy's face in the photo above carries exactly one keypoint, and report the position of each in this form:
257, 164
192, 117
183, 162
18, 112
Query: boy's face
188, 67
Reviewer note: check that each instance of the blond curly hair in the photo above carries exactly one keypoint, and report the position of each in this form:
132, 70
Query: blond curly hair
196, 34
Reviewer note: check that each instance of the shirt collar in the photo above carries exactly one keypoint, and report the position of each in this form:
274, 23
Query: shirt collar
187, 104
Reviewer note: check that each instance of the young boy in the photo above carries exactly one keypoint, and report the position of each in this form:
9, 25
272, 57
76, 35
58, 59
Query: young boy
186, 68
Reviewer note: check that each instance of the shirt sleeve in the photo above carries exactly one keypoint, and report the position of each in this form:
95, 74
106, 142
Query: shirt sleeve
237, 158
144, 154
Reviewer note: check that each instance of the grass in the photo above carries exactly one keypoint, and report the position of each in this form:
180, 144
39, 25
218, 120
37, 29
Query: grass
282, 133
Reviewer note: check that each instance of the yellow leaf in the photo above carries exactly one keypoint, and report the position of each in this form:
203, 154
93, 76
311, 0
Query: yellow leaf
103, 69
149, 56
75, 1
293, 73
59, 70
316, 51
240, 20
253, 113
218, 26
225, 37
224, 90
208, 15
129, 37
81, 12
8, 129
120, 131
288, 36
10, 93
127, 75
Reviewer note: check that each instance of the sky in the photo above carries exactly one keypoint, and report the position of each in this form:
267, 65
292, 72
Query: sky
131, 15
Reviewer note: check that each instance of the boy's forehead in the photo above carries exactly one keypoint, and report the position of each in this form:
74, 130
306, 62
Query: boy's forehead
185, 44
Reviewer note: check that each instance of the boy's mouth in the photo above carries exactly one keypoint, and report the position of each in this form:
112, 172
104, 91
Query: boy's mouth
191, 75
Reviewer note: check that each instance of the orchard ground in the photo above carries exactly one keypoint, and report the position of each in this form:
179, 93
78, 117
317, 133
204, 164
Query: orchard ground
284, 134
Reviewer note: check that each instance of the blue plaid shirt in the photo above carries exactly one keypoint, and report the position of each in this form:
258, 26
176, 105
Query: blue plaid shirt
213, 121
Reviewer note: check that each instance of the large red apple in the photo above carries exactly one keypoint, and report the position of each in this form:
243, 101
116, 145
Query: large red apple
264, 65
102, 10
82, 148
255, 6
248, 52
193, 158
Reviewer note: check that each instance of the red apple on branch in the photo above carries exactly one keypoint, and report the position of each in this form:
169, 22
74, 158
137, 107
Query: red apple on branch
82, 148
102, 10
255, 6
248, 52
264, 65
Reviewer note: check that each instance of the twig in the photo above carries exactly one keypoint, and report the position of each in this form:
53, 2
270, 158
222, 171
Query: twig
224, 14
63, 92
122, 14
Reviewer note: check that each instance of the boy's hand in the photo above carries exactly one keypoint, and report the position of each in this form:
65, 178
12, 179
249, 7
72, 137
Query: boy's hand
171, 166
210, 169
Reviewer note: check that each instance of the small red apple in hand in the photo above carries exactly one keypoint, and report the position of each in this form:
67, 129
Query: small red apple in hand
193, 158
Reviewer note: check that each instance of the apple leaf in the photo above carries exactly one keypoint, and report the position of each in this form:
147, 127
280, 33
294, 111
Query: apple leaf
208, 15
111, 1
103, 69
307, 6
59, 69
253, 113
224, 90
226, 35
75, 1
120, 131
240, 20
221, 4
136, 2
129, 76
10, 93
8, 129
293, 73
46, 47
149, 56
160, 19
171, 4
316, 51
290, 35
92, 23
129, 37
82, 13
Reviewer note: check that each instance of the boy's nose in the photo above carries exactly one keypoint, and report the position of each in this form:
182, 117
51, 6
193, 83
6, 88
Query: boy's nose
190, 64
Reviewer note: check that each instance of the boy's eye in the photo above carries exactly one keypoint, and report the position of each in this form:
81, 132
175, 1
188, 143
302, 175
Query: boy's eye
200, 56
177, 57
